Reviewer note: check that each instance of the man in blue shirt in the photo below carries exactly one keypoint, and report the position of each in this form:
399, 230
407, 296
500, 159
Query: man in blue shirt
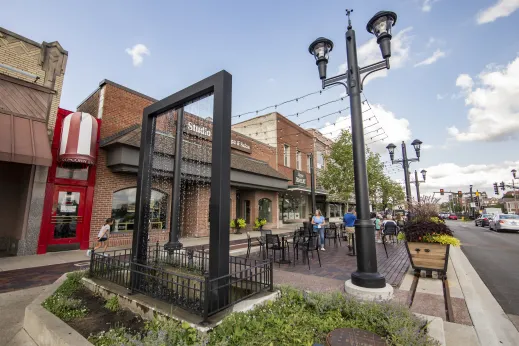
349, 223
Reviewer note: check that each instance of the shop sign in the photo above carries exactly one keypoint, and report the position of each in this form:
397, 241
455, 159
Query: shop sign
205, 132
299, 178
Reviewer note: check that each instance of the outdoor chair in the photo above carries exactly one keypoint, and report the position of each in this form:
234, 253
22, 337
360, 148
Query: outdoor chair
310, 245
274, 244
298, 241
249, 245
390, 229
263, 241
331, 233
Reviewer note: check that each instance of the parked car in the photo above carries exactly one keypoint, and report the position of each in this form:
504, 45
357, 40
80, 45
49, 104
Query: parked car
453, 217
444, 216
504, 222
483, 220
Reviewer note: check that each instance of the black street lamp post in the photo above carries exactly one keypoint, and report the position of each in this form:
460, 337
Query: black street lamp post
472, 209
312, 183
405, 163
418, 182
380, 25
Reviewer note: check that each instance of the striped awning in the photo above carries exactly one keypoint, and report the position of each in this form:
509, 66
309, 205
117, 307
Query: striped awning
78, 140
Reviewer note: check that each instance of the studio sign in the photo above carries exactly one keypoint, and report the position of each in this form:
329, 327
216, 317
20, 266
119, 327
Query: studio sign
299, 178
206, 133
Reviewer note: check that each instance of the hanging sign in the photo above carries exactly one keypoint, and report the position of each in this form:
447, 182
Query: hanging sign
299, 178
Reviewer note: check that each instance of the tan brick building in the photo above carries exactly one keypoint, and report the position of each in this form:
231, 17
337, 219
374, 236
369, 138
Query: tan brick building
255, 182
31, 79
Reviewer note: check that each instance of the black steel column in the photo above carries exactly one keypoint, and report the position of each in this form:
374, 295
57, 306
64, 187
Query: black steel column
417, 183
405, 165
312, 183
219, 204
174, 230
367, 274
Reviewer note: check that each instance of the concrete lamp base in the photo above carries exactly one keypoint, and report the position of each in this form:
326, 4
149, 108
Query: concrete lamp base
369, 294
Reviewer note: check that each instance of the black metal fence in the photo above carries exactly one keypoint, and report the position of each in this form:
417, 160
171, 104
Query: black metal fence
181, 277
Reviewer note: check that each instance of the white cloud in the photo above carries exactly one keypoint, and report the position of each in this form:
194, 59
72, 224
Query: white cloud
427, 146
381, 128
464, 81
271, 80
452, 177
438, 53
503, 8
137, 53
440, 96
427, 5
494, 105
369, 53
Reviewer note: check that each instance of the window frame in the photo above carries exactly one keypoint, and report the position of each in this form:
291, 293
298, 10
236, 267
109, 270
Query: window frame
299, 165
286, 155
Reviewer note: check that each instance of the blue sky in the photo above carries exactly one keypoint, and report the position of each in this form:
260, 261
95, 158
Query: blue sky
264, 44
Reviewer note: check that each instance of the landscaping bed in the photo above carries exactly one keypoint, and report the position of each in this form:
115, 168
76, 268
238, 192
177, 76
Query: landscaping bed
295, 318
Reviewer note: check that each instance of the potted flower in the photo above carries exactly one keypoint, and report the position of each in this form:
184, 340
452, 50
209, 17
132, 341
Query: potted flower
427, 237
238, 224
259, 223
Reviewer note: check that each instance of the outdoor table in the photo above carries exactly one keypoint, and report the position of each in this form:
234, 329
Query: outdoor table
284, 245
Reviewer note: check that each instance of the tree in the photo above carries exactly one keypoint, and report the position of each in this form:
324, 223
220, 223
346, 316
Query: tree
337, 176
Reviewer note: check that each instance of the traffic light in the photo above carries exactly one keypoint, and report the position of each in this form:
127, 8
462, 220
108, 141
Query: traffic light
442, 192
477, 201
502, 185
460, 194
496, 189
477, 193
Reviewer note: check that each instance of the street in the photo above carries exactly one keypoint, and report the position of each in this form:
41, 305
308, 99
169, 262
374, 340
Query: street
495, 256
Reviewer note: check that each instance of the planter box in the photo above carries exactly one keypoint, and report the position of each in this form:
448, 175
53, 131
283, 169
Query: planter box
428, 256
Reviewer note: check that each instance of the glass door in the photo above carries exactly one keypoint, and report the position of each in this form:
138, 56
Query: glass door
67, 215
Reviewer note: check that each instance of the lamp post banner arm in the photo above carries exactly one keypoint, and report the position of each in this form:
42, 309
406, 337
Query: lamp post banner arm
413, 160
381, 65
341, 79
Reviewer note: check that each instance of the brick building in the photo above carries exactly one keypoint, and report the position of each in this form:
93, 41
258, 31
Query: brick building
31, 79
255, 182
294, 146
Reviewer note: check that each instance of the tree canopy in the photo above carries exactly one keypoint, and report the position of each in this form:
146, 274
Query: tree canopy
337, 177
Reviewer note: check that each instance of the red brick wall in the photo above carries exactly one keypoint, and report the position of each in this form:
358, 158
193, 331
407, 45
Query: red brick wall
297, 138
122, 109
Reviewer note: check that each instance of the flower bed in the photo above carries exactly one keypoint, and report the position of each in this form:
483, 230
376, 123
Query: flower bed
295, 318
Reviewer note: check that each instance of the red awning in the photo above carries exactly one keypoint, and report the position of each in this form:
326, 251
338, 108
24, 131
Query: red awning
24, 140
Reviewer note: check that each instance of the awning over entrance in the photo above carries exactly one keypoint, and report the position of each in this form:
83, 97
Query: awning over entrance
24, 140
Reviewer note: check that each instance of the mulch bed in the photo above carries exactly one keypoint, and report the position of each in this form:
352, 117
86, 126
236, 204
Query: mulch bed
100, 319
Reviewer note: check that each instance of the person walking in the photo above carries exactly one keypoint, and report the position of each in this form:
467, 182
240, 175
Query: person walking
349, 223
102, 236
318, 226
378, 226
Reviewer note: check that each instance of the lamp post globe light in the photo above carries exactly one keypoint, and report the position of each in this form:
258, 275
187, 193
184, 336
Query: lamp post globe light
405, 162
366, 276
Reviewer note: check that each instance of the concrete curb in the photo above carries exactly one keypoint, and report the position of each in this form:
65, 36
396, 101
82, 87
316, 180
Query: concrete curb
435, 328
492, 325
45, 328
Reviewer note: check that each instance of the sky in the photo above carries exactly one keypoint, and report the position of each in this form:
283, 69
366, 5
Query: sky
453, 82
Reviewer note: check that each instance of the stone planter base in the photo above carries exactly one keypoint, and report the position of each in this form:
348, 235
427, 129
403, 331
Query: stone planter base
428, 256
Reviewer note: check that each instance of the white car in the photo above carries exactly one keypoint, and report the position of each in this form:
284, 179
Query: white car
504, 222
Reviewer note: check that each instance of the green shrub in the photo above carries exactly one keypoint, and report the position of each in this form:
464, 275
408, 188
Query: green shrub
65, 308
61, 302
112, 304
304, 319
156, 333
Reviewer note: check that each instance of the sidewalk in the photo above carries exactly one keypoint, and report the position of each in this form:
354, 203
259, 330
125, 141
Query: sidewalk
478, 317
51, 258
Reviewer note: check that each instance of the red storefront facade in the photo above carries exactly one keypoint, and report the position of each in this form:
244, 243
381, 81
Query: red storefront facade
69, 197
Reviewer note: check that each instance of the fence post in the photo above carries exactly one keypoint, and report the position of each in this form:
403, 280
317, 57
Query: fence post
157, 252
206, 297
271, 274
92, 253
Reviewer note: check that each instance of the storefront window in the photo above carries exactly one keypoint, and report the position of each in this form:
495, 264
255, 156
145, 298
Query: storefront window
265, 209
123, 209
292, 207
335, 210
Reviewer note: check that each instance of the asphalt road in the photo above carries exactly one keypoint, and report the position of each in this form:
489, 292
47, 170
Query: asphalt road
495, 256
